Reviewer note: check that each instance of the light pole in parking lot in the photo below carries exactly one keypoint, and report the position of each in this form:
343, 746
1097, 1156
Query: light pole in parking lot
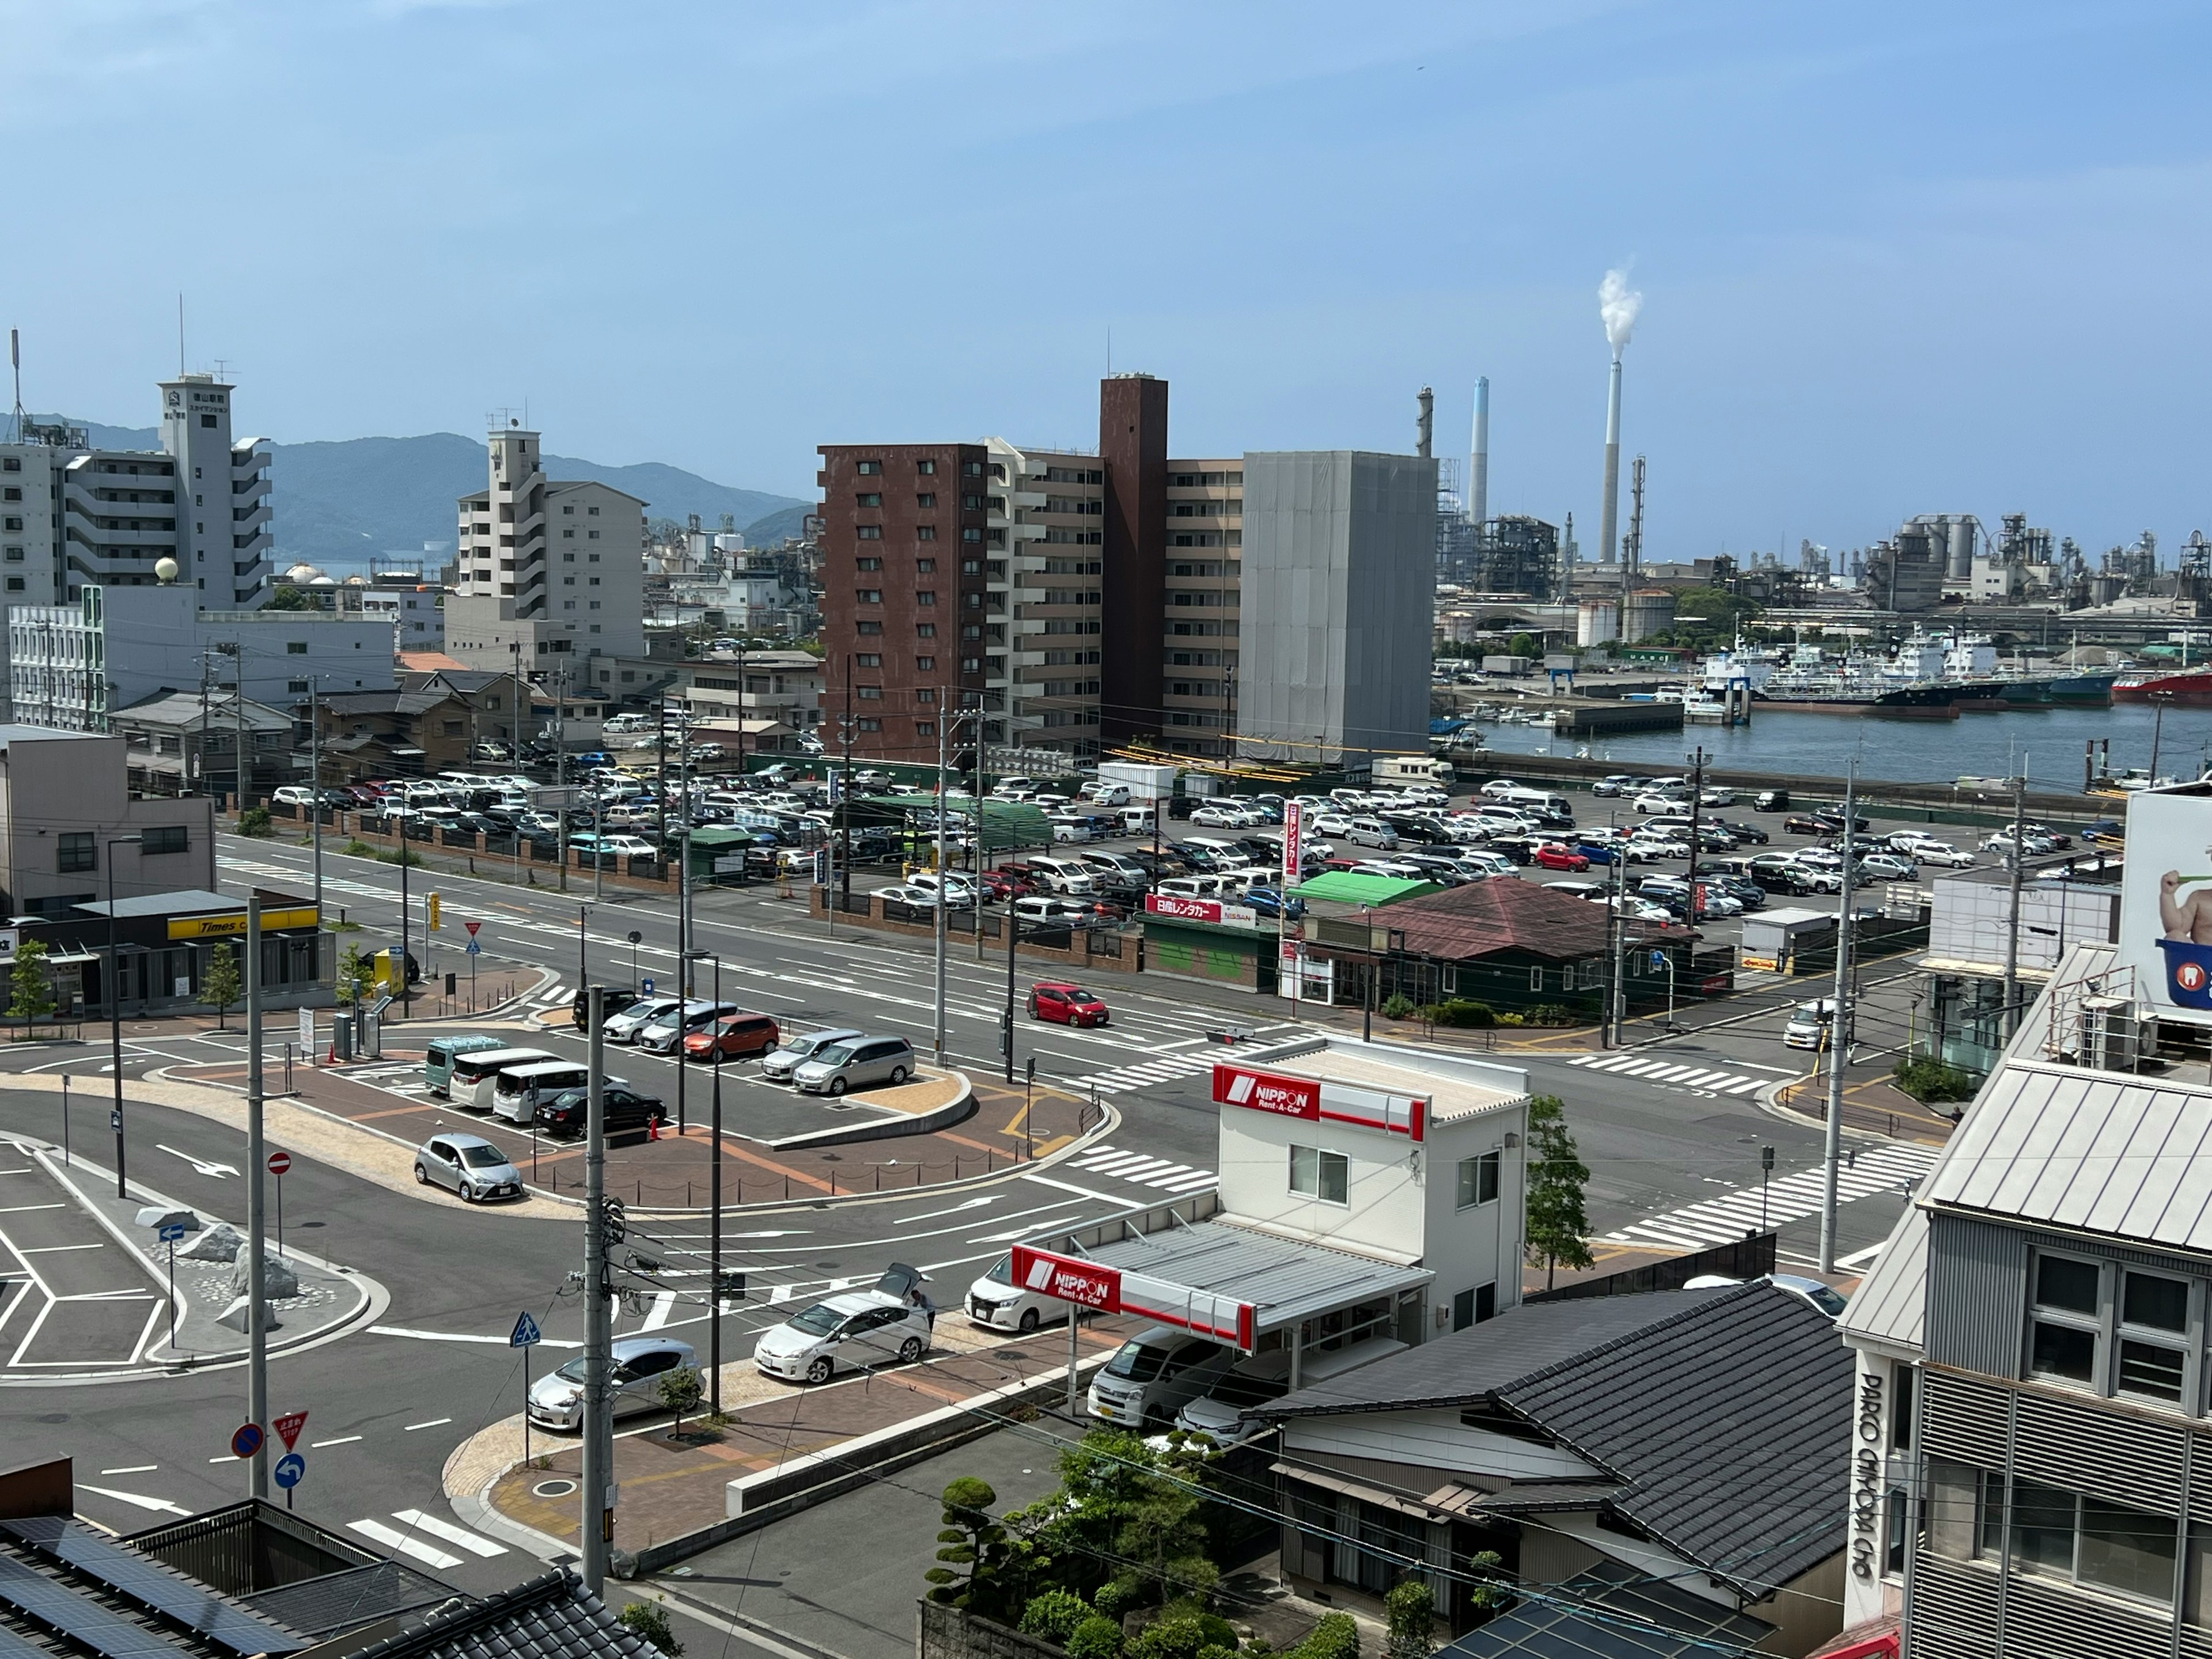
714, 1199
115, 1008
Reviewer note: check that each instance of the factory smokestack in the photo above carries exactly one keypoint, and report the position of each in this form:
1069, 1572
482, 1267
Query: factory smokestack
1617, 304
1478, 471
1424, 430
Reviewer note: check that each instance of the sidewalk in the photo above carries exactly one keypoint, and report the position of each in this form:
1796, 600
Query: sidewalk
675, 1488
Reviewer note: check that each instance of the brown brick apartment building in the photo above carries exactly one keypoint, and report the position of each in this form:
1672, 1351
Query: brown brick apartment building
1082, 599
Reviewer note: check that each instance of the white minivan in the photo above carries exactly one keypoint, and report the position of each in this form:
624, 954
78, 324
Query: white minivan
1065, 875
997, 1303
1154, 1373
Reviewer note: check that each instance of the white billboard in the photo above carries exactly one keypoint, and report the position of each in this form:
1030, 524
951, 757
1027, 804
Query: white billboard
2165, 904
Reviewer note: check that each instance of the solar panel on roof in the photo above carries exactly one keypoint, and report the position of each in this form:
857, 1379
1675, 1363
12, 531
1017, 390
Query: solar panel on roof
138, 1580
13, 1646
60, 1608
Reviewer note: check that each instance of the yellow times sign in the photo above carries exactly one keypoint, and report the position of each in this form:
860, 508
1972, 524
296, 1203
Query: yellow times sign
226, 925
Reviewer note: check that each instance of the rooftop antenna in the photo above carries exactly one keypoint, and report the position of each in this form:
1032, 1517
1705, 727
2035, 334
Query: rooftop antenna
180, 336
15, 362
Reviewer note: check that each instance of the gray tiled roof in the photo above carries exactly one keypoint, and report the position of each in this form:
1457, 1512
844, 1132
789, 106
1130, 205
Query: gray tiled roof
1608, 1612
1890, 1301
2102, 1153
552, 1616
1724, 1413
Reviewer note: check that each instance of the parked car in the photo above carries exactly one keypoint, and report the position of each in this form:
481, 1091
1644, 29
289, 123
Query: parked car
1223, 1414
1615, 784
1771, 800
1745, 832
1552, 856
740, 1037
1153, 1374
1889, 867
855, 1063
1058, 1002
1804, 823
468, 1165
624, 1026
568, 1113
557, 1398
663, 1034
780, 1063
852, 1331
997, 1303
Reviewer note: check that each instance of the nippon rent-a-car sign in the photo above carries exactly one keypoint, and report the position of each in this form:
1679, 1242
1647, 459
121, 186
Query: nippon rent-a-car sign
1110, 1290
1306, 1098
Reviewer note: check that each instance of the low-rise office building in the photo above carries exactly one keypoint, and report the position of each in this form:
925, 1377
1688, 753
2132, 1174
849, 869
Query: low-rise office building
66, 815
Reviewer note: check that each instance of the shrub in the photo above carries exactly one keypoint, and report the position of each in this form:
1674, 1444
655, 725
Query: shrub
1095, 1638
1055, 1615
1335, 1638
1398, 1005
1215, 1650
681, 1390
1178, 1636
358, 849
1552, 1013
1412, 1607
253, 821
1115, 1598
1464, 1015
649, 1619
1927, 1078
400, 855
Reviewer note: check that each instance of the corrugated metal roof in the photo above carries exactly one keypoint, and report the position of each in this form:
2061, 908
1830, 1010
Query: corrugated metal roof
1351, 887
1286, 1280
1890, 1301
1611, 1611
2104, 1152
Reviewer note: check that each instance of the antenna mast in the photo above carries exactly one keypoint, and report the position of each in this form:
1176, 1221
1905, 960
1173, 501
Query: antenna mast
16, 361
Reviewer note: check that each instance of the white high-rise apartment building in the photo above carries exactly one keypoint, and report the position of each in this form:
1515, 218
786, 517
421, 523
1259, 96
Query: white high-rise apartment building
72, 516
556, 569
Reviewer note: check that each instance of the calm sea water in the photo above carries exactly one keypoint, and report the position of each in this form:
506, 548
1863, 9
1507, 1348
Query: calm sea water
1905, 751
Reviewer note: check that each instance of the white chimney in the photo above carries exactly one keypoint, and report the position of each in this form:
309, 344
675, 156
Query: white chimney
1478, 471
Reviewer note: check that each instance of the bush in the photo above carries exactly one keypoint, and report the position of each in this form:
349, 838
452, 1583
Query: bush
1178, 1636
1412, 1607
358, 849
1927, 1078
1552, 1013
1335, 1638
649, 1619
1095, 1638
1115, 1598
253, 821
1464, 1015
1398, 1005
1055, 1615
400, 855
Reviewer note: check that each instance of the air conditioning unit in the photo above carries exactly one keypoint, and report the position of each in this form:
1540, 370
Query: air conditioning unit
2111, 1035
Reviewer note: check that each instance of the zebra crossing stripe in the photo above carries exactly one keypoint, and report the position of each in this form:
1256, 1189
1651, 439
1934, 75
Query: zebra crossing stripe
1191, 1184
1166, 1178
1746, 1088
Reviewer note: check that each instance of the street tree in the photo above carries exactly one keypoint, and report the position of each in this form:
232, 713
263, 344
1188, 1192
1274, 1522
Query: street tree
1558, 1224
222, 985
30, 985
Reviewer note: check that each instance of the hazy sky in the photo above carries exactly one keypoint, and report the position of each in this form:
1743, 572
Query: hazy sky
1896, 259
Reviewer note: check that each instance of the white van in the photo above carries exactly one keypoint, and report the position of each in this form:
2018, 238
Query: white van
1065, 875
1105, 794
1413, 768
476, 1075
1139, 820
1540, 801
1227, 855
1154, 1373
517, 1091
1808, 1025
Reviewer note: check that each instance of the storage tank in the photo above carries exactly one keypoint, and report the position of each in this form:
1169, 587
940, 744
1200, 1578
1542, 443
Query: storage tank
1650, 610
1597, 622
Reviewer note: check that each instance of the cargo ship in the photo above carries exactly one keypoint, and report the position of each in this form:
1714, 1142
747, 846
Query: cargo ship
2185, 688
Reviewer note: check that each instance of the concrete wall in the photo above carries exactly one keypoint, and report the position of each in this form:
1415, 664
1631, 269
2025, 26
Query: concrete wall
950, 1633
1338, 603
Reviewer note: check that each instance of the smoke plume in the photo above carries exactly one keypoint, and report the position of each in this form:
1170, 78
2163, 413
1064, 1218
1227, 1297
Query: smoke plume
1618, 304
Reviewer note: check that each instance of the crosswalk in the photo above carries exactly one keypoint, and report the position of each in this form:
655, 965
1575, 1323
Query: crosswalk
1142, 1170
408, 1537
1717, 1080
1744, 1209
1170, 1062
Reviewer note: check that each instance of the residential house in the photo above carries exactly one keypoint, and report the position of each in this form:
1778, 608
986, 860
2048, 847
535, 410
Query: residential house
181, 743
1686, 1439
385, 734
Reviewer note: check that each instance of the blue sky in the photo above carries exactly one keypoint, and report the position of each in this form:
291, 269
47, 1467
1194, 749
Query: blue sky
1897, 258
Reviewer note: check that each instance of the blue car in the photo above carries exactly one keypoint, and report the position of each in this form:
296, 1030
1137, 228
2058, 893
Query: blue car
1594, 853
1268, 902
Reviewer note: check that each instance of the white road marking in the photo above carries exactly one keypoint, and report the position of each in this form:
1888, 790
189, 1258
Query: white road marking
454, 1336
664, 1303
393, 1539
451, 1534
135, 1468
435, 1422
343, 1440
161, 1505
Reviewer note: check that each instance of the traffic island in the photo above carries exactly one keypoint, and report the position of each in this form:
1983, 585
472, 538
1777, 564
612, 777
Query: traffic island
790, 1448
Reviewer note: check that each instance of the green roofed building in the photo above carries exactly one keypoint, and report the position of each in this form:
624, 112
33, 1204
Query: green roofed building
1350, 887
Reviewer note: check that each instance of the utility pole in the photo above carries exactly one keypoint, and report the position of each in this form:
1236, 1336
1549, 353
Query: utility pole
315, 754
944, 756
238, 660
597, 1529
560, 761
683, 960
257, 1206
2012, 922
1697, 796
520, 696
1840, 1025
714, 1221
1007, 1019
1616, 946
845, 796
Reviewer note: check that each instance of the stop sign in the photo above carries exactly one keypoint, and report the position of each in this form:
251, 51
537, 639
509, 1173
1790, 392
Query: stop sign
279, 1161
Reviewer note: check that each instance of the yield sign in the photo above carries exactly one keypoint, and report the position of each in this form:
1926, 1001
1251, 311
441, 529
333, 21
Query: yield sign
472, 926
289, 1427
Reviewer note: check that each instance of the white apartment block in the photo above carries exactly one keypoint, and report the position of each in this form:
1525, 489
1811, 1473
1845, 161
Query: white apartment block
71, 515
415, 610
1045, 598
550, 572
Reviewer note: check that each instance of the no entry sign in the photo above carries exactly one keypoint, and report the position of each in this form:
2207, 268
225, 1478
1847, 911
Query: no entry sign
279, 1161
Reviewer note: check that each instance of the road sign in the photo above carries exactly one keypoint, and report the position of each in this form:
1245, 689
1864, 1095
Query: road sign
247, 1441
279, 1161
646, 986
437, 913
291, 1469
475, 949
289, 1427
115, 1122
171, 1231
526, 1333
472, 926
1658, 960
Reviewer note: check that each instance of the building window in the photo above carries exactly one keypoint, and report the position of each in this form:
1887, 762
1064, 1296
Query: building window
869, 660
871, 499
15, 584
924, 630
925, 499
1478, 1179
1472, 1307
925, 695
593, 512
868, 628
296, 647
1322, 1175
868, 564
924, 664
867, 724
593, 534
868, 595
927, 469
869, 532
2056, 1533
2154, 1327
926, 596
77, 852
925, 566
2064, 1326
300, 687
869, 693
872, 469
925, 532
925, 728
164, 838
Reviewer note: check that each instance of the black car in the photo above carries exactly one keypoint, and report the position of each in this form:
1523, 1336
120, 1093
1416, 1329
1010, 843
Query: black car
568, 1113
617, 1001
1747, 832
1749, 894
1771, 800
1519, 848
1831, 818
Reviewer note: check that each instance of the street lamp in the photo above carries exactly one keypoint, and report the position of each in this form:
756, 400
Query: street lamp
715, 1189
583, 936
1374, 968
115, 1009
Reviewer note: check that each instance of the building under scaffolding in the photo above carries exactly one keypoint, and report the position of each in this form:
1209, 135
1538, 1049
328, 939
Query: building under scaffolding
1518, 554
1456, 540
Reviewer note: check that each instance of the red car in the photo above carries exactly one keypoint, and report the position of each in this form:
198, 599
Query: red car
1552, 856
740, 1037
1060, 1003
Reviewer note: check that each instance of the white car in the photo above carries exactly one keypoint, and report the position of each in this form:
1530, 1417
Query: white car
846, 1332
1941, 853
1651, 801
1330, 823
1890, 867
1717, 798
625, 1025
997, 1303
557, 1398
1225, 817
1498, 788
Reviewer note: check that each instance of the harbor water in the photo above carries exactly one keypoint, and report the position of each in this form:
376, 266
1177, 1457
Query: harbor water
1904, 751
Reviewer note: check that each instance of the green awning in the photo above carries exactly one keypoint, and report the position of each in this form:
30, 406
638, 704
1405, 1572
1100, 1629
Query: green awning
1349, 887
1006, 824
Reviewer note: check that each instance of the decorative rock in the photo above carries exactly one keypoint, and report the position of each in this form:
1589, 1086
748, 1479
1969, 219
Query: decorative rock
278, 1281
220, 1243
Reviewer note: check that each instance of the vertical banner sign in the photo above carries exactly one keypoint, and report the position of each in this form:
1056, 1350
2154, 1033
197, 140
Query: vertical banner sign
1293, 844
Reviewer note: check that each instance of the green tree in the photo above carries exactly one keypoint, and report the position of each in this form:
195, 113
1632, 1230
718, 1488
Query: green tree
356, 973
30, 985
973, 1539
649, 1620
1095, 1638
221, 986
1523, 645
681, 1391
1411, 1607
1557, 1222
288, 598
1055, 1615
254, 821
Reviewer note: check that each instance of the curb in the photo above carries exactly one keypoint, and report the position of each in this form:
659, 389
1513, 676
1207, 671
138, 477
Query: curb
959, 1109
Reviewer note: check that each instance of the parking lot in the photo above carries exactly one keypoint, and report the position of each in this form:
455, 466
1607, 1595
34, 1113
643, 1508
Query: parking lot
73, 1298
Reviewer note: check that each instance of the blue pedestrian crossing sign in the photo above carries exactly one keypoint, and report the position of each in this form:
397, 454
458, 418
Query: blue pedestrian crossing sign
475, 949
291, 1469
526, 1333
1658, 960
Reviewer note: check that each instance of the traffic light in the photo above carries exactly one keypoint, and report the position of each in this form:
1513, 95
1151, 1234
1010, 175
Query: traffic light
436, 908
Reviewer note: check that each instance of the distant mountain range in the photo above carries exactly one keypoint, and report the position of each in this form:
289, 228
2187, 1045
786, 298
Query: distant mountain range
337, 503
